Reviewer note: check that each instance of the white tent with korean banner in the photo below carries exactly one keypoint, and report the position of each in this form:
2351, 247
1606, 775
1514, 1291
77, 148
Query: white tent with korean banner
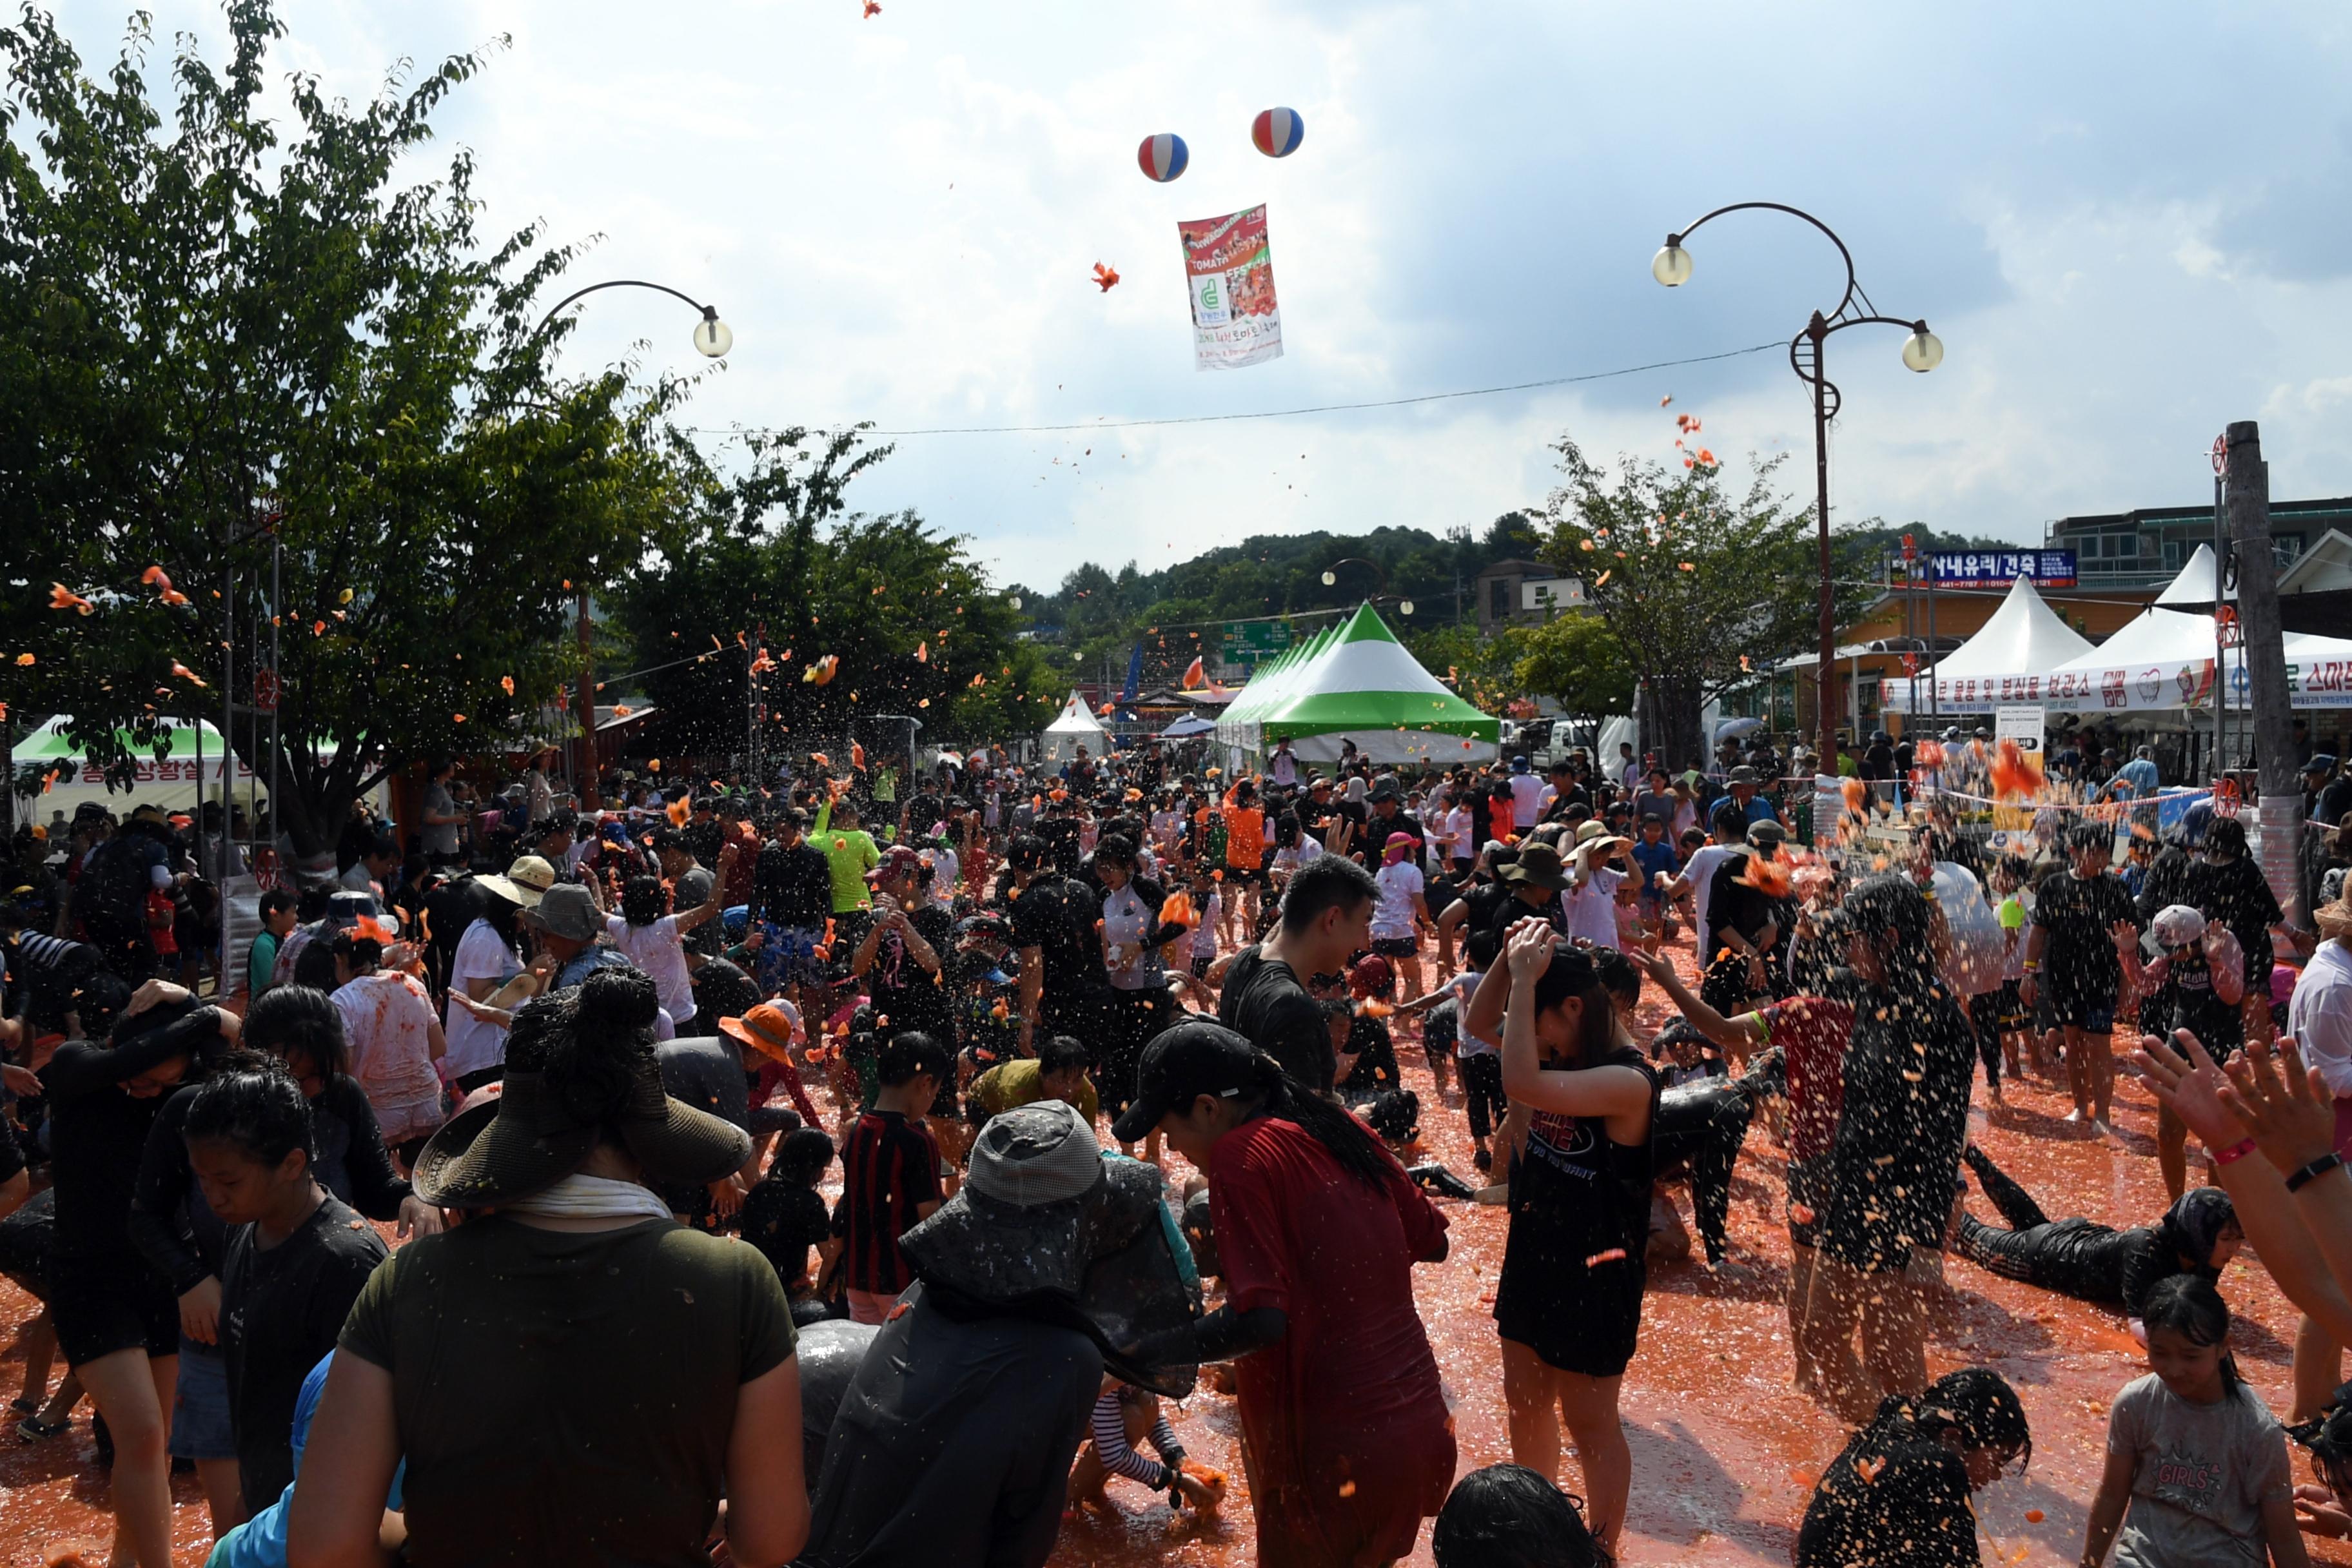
2022, 638
1078, 726
1364, 687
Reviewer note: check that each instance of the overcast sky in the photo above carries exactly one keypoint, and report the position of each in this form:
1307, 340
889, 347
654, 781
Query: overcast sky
2128, 228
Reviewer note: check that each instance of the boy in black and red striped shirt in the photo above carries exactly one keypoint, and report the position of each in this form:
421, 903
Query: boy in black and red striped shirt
890, 1168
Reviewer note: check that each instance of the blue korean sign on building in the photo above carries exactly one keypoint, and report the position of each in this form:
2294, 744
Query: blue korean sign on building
1988, 568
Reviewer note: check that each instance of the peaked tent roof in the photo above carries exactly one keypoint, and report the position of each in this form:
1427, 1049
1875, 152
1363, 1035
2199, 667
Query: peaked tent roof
1362, 685
1076, 719
2024, 634
2195, 584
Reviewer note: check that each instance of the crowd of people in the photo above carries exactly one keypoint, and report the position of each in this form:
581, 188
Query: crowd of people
857, 1168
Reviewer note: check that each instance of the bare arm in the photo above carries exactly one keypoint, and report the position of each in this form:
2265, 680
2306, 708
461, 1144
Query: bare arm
767, 1494
1734, 1033
1618, 1094
2283, 1533
337, 1515
2107, 1507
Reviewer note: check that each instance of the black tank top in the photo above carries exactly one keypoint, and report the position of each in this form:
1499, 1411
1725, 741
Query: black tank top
1587, 1194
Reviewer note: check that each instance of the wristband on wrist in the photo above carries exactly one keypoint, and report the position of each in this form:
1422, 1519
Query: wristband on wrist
2031, 965
2235, 1153
2311, 1172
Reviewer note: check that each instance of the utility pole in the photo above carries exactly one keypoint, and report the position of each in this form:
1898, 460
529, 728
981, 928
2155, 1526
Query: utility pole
2263, 653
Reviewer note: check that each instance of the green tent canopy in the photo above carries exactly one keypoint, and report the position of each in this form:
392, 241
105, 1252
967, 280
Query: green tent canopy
1356, 682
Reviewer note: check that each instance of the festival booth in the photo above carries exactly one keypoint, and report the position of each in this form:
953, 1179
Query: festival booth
2024, 634
1077, 727
1356, 682
180, 768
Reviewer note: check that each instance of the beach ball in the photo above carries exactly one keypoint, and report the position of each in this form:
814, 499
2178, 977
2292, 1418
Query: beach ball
1162, 156
1277, 132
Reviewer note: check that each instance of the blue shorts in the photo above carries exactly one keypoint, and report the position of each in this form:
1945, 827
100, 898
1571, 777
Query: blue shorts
200, 1426
787, 956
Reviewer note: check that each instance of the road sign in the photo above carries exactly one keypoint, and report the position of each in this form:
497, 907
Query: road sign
1550, 594
2221, 453
1249, 642
265, 689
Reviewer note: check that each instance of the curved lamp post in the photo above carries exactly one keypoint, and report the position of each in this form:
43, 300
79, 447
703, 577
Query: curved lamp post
711, 339
1331, 579
1922, 351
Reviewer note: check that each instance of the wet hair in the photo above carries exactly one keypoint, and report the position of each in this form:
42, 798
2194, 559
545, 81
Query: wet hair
641, 900
314, 965
1572, 972
1618, 975
592, 1042
1731, 824
721, 990
1507, 1516
500, 914
2329, 1435
360, 953
290, 1021
1395, 1115
1482, 947
908, 1055
2193, 1224
260, 1112
1274, 1092
2086, 835
1326, 883
1059, 1054
313, 904
2189, 1306
1976, 1404
1027, 852
1116, 849
278, 900
801, 1156
2227, 837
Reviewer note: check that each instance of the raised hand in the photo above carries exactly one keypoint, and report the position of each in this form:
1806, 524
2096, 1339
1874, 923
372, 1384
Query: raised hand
2183, 1076
2286, 1106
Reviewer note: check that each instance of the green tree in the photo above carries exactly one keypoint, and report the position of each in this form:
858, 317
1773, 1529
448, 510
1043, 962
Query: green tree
1702, 587
1578, 662
775, 563
213, 328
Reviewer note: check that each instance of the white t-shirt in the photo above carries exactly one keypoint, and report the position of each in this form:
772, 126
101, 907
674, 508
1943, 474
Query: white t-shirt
1592, 907
1204, 936
1393, 915
475, 1043
1699, 870
388, 1025
946, 870
660, 950
1526, 799
1465, 985
1167, 827
1453, 833
2319, 1016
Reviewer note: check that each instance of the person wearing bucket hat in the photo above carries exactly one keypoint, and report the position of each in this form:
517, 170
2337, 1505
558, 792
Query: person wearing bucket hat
1908, 1070
488, 955
570, 1341
953, 1442
1344, 1431
1598, 876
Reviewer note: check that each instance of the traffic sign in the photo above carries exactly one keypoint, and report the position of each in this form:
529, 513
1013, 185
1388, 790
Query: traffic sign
265, 689
1248, 642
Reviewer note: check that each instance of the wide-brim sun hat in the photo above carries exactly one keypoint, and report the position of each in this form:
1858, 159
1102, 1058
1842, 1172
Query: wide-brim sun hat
1540, 864
525, 882
766, 1028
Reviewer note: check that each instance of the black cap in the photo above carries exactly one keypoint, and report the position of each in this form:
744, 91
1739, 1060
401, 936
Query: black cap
1386, 791
1195, 1058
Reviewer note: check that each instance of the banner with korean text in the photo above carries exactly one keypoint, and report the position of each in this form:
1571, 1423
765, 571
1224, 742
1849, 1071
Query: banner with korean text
1229, 268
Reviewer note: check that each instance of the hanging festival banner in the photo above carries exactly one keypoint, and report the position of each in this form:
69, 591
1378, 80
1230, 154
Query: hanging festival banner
1229, 268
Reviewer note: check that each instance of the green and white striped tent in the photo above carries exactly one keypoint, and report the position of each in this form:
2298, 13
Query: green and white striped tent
1356, 682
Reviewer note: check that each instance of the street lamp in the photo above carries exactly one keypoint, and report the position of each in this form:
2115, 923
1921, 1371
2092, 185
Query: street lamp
1331, 579
1922, 351
712, 339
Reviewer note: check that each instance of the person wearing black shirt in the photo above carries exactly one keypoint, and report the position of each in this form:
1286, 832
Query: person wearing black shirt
1062, 831
294, 1262
2097, 1263
784, 1215
2233, 891
792, 898
1908, 1069
2079, 916
1389, 817
1326, 916
1899, 1492
903, 955
1063, 985
116, 1321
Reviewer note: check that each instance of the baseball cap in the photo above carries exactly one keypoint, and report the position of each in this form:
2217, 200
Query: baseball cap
1193, 1058
896, 861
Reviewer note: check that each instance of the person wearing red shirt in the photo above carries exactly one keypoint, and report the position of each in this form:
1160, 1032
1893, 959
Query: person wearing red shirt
1345, 1436
1812, 1033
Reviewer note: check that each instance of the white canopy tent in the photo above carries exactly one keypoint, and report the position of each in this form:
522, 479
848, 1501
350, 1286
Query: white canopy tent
2024, 634
1077, 727
2162, 659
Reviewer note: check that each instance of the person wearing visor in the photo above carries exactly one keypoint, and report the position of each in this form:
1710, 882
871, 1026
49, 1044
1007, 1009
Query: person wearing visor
2198, 982
954, 1440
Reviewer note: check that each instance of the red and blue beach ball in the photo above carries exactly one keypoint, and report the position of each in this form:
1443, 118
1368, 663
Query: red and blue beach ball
1163, 156
1277, 132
